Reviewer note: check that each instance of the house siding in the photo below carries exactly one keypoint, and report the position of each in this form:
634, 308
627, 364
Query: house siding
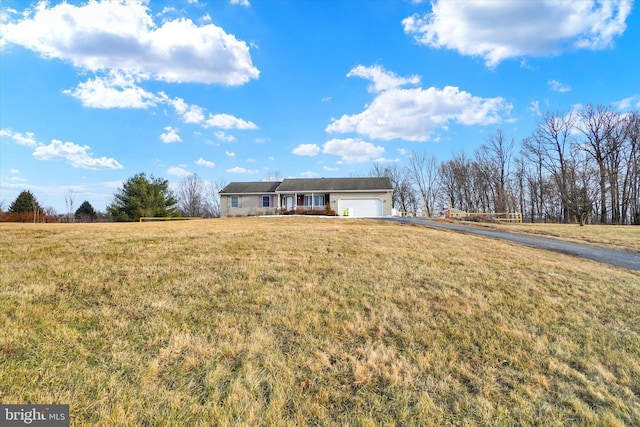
250, 205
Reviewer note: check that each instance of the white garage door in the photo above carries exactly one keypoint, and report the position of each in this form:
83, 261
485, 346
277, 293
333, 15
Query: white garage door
361, 207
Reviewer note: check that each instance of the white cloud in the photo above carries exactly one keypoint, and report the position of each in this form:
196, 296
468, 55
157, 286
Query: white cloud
77, 155
227, 121
230, 153
326, 99
191, 113
171, 135
14, 171
499, 30
240, 2
207, 163
534, 107
558, 87
329, 168
122, 36
117, 90
238, 169
28, 138
6, 16
306, 150
178, 171
414, 114
309, 174
224, 137
113, 184
381, 78
352, 150
623, 104
166, 10
188, 112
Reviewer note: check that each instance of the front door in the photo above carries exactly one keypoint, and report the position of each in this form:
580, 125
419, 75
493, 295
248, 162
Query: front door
289, 203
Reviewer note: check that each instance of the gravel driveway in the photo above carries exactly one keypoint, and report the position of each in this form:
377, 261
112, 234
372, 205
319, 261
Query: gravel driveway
622, 259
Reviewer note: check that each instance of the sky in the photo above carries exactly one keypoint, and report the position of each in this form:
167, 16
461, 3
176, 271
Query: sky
94, 92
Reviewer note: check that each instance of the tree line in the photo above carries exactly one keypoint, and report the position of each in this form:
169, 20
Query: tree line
26, 208
139, 196
581, 166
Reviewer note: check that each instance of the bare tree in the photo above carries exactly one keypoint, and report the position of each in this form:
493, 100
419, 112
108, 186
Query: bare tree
36, 209
532, 157
496, 155
403, 196
423, 172
68, 200
212, 201
597, 124
457, 183
50, 211
448, 188
407, 197
521, 184
581, 192
191, 196
273, 175
550, 147
631, 180
483, 177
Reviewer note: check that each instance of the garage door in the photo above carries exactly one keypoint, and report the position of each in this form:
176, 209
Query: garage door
361, 207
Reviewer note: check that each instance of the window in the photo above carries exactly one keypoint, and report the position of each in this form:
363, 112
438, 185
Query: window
235, 201
318, 201
266, 201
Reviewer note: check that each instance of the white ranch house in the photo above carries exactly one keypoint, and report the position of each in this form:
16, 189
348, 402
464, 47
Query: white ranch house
358, 197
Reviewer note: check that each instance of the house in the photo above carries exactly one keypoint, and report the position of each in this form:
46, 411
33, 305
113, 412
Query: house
359, 197
248, 198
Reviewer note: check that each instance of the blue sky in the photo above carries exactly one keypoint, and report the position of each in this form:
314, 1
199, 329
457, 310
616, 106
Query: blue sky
93, 92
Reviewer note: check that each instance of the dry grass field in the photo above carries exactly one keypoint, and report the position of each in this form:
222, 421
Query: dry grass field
310, 321
621, 237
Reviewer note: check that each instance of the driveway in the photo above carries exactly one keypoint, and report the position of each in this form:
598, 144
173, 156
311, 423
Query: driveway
622, 259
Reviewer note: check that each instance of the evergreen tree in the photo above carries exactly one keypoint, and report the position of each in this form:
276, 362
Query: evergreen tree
86, 212
25, 203
143, 197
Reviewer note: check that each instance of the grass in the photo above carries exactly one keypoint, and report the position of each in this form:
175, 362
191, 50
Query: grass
310, 321
620, 237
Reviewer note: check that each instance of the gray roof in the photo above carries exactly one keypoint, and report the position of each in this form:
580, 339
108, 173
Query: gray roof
335, 184
308, 185
301, 185
250, 187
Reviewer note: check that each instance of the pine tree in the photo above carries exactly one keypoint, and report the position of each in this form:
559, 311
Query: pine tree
25, 203
86, 212
143, 197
